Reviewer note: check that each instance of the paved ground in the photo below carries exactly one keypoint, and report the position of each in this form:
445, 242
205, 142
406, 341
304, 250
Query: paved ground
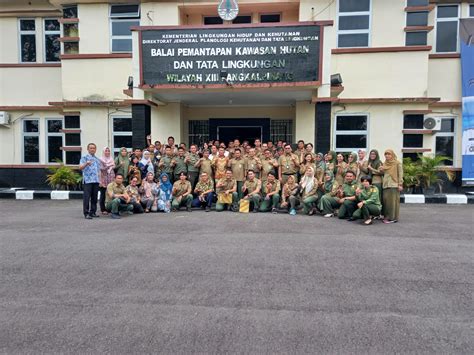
216, 283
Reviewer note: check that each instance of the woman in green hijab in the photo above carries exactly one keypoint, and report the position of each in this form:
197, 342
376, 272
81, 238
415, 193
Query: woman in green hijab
331, 161
375, 173
122, 162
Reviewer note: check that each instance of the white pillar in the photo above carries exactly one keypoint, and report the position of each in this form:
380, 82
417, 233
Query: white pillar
305, 119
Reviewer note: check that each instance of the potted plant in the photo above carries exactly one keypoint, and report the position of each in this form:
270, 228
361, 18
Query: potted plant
411, 183
429, 173
62, 177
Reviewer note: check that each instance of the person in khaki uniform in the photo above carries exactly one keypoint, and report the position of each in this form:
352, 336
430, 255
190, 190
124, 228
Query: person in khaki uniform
271, 193
205, 164
353, 165
320, 168
253, 163
308, 162
392, 186
182, 195
116, 198
227, 185
373, 166
219, 164
166, 163
332, 192
309, 193
362, 164
368, 203
237, 165
289, 189
289, 165
269, 165
251, 189
340, 169
191, 160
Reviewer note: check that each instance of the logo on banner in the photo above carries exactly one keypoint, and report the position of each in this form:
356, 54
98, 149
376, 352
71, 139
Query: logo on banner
228, 9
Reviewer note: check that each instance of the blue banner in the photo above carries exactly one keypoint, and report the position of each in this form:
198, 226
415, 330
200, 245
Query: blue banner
466, 32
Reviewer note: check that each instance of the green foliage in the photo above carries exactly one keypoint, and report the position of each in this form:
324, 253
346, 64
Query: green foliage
425, 172
410, 173
63, 177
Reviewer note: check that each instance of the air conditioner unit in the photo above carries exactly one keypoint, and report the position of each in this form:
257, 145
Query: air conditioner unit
432, 123
4, 118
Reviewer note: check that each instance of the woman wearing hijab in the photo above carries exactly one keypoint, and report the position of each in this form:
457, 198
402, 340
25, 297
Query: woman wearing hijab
289, 189
340, 169
134, 170
146, 165
331, 161
107, 175
352, 163
330, 189
320, 168
122, 163
392, 186
309, 191
165, 193
148, 192
373, 167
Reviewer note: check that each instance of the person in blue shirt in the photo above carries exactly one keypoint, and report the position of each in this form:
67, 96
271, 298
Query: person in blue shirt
90, 167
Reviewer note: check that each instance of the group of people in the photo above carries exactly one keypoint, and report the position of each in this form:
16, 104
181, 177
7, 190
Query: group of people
263, 177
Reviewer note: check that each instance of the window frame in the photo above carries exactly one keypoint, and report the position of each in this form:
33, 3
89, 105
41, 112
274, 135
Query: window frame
260, 14
119, 134
448, 134
358, 13
44, 33
53, 134
470, 10
447, 19
116, 18
350, 133
20, 33
30, 134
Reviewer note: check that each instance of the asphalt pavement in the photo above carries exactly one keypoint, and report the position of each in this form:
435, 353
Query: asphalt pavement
233, 283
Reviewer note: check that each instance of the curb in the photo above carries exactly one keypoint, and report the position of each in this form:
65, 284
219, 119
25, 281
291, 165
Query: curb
18, 194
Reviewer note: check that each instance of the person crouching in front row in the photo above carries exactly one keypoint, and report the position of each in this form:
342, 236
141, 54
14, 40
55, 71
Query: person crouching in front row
117, 198
204, 192
182, 193
368, 201
251, 189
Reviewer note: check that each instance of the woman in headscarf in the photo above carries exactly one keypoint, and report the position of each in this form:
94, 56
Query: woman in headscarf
320, 168
146, 165
373, 167
331, 161
392, 186
134, 170
289, 189
352, 163
148, 192
330, 189
107, 175
340, 169
309, 191
134, 194
122, 162
165, 193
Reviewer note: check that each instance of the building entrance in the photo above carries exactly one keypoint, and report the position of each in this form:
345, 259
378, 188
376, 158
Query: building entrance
246, 129
226, 134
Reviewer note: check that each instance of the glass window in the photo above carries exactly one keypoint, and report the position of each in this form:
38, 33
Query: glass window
417, 2
353, 23
242, 19
447, 21
121, 133
70, 11
73, 158
72, 122
351, 132
445, 139
270, 18
412, 156
73, 139
413, 122
71, 47
213, 20
281, 130
471, 10
27, 40
52, 32
417, 19
122, 17
416, 39
198, 132
54, 140
413, 141
31, 141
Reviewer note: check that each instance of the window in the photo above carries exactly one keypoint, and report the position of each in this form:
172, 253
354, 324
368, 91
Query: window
353, 23
31, 141
27, 40
413, 122
412, 140
122, 17
54, 140
242, 19
70, 11
445, 139
447, 19
52, 46
72, 122
416, 38
417, 18
198, 132
213, 20
350, 132
417, 2
471, 10
122, 133
281, 130
270, 18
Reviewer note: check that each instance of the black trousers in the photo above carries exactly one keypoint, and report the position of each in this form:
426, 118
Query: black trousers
103, 193
89, 205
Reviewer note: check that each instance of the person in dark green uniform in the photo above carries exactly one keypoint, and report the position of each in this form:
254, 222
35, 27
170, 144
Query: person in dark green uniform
181, 164
191, 159
348, 199
166, 164
368, 201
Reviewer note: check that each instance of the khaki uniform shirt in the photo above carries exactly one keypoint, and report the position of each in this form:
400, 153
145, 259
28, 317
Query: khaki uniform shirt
275, 187
267, 166
288, 165
238, 169
388, 182
115, 189
252, 164
180, 188
252, 185
228, 184
206, 167
166, 167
